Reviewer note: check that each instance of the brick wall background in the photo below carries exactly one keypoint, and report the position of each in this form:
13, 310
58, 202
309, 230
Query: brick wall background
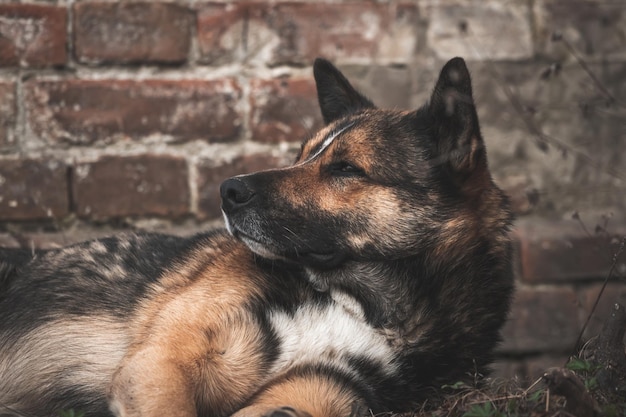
119, 115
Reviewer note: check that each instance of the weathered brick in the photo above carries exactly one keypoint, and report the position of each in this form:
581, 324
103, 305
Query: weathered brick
8, 113
115, 186
92, 111
299, 32
131, 33
210, 176
405, 36
387, 86
541, 319
283, 110
32, 35
33, 189
290, 33
537, 366
526, 370
562, 252
8, 241
222, 33
595, 29
615, 292
576, 165
507, 368
521, 196
480, 30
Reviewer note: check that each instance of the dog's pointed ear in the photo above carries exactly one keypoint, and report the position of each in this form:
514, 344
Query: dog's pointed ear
337, 98
453, 114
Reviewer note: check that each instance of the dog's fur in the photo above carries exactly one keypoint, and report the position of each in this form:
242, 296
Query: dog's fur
374, 268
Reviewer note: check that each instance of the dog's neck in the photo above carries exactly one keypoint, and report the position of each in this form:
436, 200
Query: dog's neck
385, 300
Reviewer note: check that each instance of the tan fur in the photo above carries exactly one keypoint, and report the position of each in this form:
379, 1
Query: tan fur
195, 329
312, 395
85, 358
307, 185
456, 236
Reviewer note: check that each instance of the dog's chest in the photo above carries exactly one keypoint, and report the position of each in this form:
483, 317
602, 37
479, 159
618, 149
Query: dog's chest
335, 335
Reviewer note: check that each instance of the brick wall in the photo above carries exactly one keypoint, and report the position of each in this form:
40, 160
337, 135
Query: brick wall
117, 115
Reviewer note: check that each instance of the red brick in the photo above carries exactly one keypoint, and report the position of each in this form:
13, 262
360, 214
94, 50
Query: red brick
542, 320
221, 32
615, 292
115, 186
7, 113
32, 35
210, 176
131, 33
33, 189
562, 251
283, 110
292, 33
92, 111
349, 31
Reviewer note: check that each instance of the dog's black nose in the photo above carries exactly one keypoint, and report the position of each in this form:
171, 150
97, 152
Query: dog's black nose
235, 194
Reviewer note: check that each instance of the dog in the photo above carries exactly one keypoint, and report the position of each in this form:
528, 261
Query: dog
373, 270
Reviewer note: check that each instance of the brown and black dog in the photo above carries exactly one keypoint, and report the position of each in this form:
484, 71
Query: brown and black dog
373, 269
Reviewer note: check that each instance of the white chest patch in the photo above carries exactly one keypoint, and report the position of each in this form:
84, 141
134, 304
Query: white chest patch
330, 335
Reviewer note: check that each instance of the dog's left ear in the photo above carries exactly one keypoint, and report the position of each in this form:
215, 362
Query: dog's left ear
337, 98
455, 122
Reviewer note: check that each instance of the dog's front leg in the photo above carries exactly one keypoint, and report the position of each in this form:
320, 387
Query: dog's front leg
196, 347
308, 394
149, 385
180, 370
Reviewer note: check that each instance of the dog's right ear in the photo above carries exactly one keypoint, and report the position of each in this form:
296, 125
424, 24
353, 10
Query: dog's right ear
337, 98
455, 121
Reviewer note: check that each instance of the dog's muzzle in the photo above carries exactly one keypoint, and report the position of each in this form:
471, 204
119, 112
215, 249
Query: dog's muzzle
242, 220
235, 194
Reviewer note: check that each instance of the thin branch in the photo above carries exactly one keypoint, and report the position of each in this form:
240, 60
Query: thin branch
558, 37
616, 258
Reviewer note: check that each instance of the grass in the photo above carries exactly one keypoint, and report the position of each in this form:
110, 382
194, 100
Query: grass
500, 398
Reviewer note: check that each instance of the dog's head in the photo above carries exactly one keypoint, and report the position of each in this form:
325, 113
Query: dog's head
372, 184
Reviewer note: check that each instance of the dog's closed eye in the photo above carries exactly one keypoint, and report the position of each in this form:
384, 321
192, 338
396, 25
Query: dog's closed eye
346, 169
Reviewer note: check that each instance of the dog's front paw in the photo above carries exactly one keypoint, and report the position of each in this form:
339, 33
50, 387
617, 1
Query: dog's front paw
286, 412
